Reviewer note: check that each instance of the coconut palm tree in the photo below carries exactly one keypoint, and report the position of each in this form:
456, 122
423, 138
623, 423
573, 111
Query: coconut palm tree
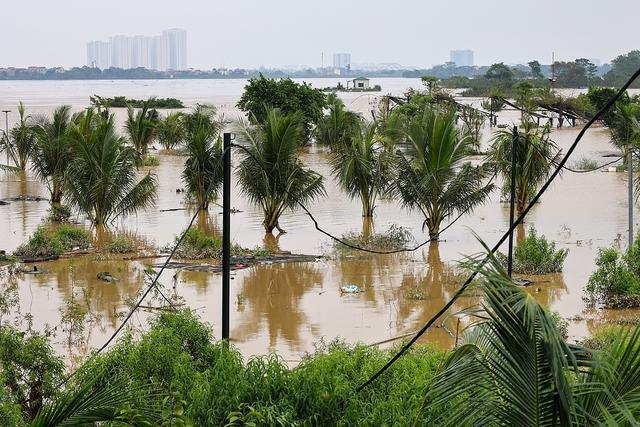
515, 369
362, 167
625, 131
203, 171
51, 153
21, 139
101, 179
535, 157
170, 131
336, 127
270, 173
141, 128
433, 174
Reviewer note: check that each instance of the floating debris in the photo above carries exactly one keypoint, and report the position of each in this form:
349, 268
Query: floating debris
519, 281
350, 289
32, 269
105, 276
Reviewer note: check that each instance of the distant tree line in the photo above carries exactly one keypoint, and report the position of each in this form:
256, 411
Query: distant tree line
124, 102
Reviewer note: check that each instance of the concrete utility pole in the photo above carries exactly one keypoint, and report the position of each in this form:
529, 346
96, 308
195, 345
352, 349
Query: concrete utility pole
630, 178
226, 235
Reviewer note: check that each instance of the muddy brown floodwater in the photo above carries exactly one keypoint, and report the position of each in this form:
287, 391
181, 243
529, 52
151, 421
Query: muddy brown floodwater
287, 308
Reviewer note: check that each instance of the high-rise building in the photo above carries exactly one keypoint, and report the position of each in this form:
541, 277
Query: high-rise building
163, 52
98, 54
462, 58
342, 61
175, 41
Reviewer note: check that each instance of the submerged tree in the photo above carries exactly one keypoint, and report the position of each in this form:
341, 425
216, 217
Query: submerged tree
270, 173
170, 131
101, 180
625, 128
141, 128
336, 127
20, 142
203, 171
434, 176
52, 152
361, 166
535, 157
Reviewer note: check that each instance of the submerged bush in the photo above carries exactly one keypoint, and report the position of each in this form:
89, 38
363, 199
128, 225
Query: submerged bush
616, 281
49, 242
536, 255
121, 245
199, 245
394, 238
59, 213
150, 161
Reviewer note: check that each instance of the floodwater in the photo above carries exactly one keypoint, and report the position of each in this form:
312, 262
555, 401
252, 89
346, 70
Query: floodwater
287, 308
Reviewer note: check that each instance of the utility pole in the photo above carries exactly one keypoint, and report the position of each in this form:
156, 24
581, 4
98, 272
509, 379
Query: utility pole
226, 234
630, 178
512, 204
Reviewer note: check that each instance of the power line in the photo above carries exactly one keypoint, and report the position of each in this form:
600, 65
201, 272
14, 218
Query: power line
519, 220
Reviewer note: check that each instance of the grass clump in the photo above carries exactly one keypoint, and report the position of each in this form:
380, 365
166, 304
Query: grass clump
59, 213
121, 245
536, 255
616, 281
150, 161
199, 245
585, 164
396, 237
46, 241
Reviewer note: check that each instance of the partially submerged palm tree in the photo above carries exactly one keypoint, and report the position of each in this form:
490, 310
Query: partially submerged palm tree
52, 153
336, 127
203, 171
535, 157
515, 369
21, 139
101, 180
434, 175
170, 131
362, 167
140, 128
272, 176
625, 131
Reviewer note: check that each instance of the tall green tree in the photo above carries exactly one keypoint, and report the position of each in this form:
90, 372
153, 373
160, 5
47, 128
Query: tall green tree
536, 69
20, 142
270, 174
535, 155
203, 171
262, 94
141, 128
362, 167
336, 128
500, 72
622, 67
434, 175
101, 180
52, 151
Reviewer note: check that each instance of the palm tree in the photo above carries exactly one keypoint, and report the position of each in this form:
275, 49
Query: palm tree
51, 154
514, 368
336, 127
361, 166
535, 157
625, 131
170, 131
203, 171
433, 175
140, 128
20, 141
270, 174
101, 179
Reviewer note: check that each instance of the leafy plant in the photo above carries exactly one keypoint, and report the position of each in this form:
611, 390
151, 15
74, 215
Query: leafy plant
616, 280
47, 241
20, 142
395, 237
536, 255
140, 128
336, 128
59, 213
121, 244
170, 131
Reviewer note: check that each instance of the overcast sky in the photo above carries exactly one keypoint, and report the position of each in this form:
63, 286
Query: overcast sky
251, 33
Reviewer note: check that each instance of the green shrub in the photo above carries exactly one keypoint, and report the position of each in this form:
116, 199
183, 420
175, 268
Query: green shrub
54, 241
121, 245
616, 280
59, 213
536, 255
394, 238
150, 161
199, 245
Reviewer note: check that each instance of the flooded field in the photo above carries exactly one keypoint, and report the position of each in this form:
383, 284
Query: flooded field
288, 307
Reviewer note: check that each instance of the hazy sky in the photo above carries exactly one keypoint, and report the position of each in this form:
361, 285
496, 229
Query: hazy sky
250, 33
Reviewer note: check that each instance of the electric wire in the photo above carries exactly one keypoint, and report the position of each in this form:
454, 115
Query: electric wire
518, 220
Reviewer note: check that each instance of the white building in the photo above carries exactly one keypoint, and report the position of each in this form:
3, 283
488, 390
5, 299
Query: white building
98, 54
175, 41
462, 58
342, 61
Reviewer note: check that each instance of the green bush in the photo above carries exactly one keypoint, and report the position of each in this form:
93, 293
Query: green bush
121, 245
54, 241
150, 161
394, 238
536, 255
59, 213
616, 280
199, 245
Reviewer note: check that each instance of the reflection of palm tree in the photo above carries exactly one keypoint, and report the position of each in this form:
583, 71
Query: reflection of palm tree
274, 294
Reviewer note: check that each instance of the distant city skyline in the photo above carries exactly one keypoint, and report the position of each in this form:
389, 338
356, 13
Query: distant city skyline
167, 51
273, 34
